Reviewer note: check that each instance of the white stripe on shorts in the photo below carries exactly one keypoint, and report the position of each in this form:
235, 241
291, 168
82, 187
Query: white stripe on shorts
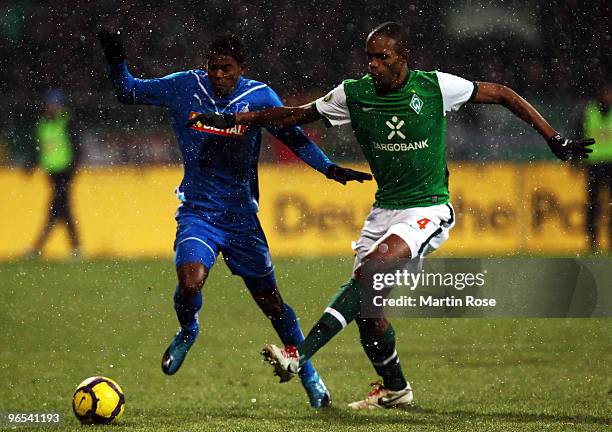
197, 239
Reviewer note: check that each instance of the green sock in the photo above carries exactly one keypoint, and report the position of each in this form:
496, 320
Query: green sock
342, 309
380, 349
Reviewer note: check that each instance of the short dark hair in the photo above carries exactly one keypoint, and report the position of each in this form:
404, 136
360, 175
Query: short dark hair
227, 44
395, 31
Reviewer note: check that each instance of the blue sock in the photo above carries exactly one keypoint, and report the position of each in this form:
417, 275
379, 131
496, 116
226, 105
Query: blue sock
290, 333
187, 309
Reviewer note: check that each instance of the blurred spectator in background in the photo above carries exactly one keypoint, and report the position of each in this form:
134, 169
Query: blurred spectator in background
57, 157
598, 124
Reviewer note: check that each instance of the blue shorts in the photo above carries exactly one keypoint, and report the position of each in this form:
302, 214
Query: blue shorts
201, 234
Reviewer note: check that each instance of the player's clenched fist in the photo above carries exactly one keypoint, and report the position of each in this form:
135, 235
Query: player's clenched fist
216, 120
112, 46
344, 175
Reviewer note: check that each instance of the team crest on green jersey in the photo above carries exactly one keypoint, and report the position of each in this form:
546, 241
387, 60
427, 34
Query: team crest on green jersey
416, 103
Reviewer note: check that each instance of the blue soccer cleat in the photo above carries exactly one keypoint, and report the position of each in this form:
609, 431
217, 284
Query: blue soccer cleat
318, 395
177, 351
286, 365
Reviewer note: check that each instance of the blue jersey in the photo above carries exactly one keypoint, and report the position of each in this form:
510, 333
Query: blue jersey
220, 166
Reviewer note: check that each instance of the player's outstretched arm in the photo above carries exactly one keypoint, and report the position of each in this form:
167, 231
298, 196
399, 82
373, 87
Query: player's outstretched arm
130, 90
272, 117
302, 146
565, 149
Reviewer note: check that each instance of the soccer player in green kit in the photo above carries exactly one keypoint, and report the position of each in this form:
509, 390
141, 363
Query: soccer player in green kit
399, 118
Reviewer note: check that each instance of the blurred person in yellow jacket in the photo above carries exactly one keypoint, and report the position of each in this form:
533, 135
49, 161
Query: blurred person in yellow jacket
57, 157
597, 122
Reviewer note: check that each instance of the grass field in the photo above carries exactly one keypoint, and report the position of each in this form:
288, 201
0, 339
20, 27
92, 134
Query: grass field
63, 322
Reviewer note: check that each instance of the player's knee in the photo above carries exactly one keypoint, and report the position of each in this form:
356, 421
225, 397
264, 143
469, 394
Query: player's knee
190, 286
191, 278
370, 266
393, 247
389, 255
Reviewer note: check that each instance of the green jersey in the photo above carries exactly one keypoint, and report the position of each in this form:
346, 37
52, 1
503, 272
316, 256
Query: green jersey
598, 125
53, 136
402, 133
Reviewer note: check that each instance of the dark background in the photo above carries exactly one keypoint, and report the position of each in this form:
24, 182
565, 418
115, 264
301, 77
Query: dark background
556, 54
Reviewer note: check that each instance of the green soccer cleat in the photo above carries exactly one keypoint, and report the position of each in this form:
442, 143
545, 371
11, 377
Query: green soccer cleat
177, 351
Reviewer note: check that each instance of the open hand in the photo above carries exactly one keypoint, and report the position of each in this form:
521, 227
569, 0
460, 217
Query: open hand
569, 150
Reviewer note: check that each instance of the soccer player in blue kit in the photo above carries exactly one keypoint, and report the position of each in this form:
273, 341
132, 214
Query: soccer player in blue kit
219, 192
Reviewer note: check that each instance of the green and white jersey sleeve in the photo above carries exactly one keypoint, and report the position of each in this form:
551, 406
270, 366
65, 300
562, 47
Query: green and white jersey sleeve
455, 91
333, 107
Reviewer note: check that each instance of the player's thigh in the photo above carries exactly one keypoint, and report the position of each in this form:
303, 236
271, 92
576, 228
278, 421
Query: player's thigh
423, 229
374, 228
246, 250
196, 243
409, 233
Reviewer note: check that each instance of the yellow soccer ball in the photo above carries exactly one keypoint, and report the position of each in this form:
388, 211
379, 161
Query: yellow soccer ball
98, 400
